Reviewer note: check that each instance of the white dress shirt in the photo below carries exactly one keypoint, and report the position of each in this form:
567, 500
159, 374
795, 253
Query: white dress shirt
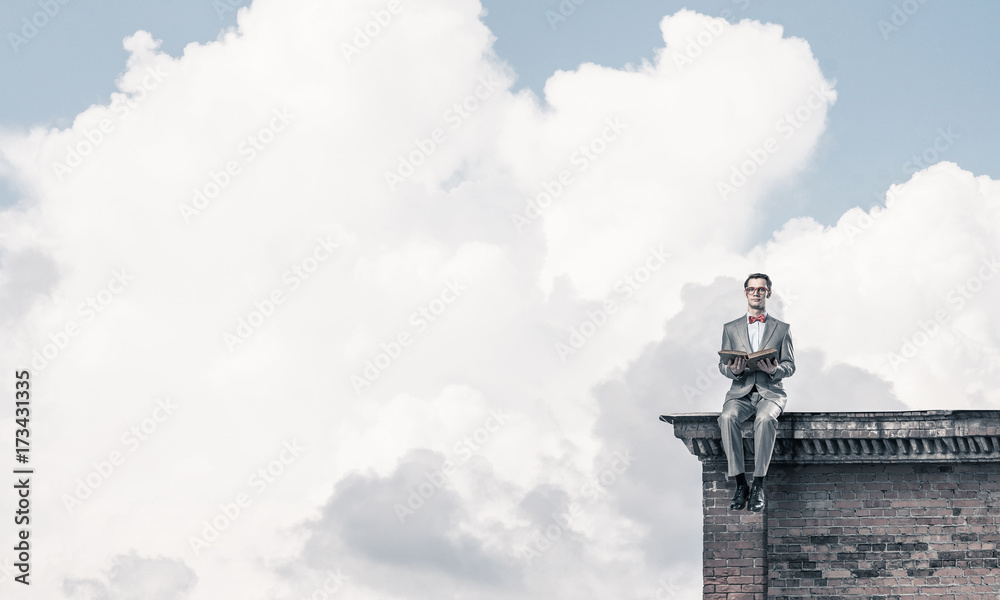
755, 330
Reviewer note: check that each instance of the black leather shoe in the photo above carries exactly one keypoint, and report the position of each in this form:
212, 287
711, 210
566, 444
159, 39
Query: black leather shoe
756, 503
740, 497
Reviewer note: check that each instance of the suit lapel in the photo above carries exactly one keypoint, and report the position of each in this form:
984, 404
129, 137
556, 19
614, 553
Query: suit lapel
765, 336
743, 336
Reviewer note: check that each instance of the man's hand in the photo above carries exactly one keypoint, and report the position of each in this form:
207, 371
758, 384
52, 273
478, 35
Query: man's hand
737, 364
769, 366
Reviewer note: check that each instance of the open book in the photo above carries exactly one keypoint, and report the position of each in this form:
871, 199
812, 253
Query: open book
752, 359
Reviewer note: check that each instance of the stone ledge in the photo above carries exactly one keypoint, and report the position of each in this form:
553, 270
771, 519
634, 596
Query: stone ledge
858, 437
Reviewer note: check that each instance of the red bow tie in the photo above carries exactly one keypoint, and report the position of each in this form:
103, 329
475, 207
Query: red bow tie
755, 319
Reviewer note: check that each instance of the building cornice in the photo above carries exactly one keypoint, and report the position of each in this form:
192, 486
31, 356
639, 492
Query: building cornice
858, 437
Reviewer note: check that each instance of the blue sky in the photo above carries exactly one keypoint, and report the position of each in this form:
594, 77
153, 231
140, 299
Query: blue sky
939, 69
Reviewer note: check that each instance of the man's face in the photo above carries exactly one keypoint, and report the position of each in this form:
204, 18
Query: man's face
756, 293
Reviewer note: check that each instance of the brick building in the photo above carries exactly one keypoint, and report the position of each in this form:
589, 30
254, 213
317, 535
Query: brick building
875, 505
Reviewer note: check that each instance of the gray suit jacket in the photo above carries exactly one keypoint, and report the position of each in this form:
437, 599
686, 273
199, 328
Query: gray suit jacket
776, 335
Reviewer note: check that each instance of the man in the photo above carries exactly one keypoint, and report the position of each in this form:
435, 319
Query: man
758, 393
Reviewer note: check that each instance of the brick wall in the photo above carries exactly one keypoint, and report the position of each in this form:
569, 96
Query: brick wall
882, 506
884, 531
735, 544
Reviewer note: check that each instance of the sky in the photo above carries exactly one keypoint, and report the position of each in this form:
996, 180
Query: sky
379, 299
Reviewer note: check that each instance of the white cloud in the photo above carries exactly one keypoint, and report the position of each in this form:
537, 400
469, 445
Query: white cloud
903, 291
297, 141
133, 576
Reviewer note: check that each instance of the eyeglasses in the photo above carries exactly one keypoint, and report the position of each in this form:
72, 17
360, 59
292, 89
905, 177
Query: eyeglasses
753, 290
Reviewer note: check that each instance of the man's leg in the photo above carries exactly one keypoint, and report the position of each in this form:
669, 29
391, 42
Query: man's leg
734, 412
765, 429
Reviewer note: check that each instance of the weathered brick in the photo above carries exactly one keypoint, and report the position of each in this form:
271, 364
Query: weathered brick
876, 529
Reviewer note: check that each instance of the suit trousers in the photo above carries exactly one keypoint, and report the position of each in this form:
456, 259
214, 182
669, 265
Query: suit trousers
765, 429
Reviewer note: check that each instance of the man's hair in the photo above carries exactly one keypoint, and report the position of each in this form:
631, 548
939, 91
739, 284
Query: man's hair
758, 276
